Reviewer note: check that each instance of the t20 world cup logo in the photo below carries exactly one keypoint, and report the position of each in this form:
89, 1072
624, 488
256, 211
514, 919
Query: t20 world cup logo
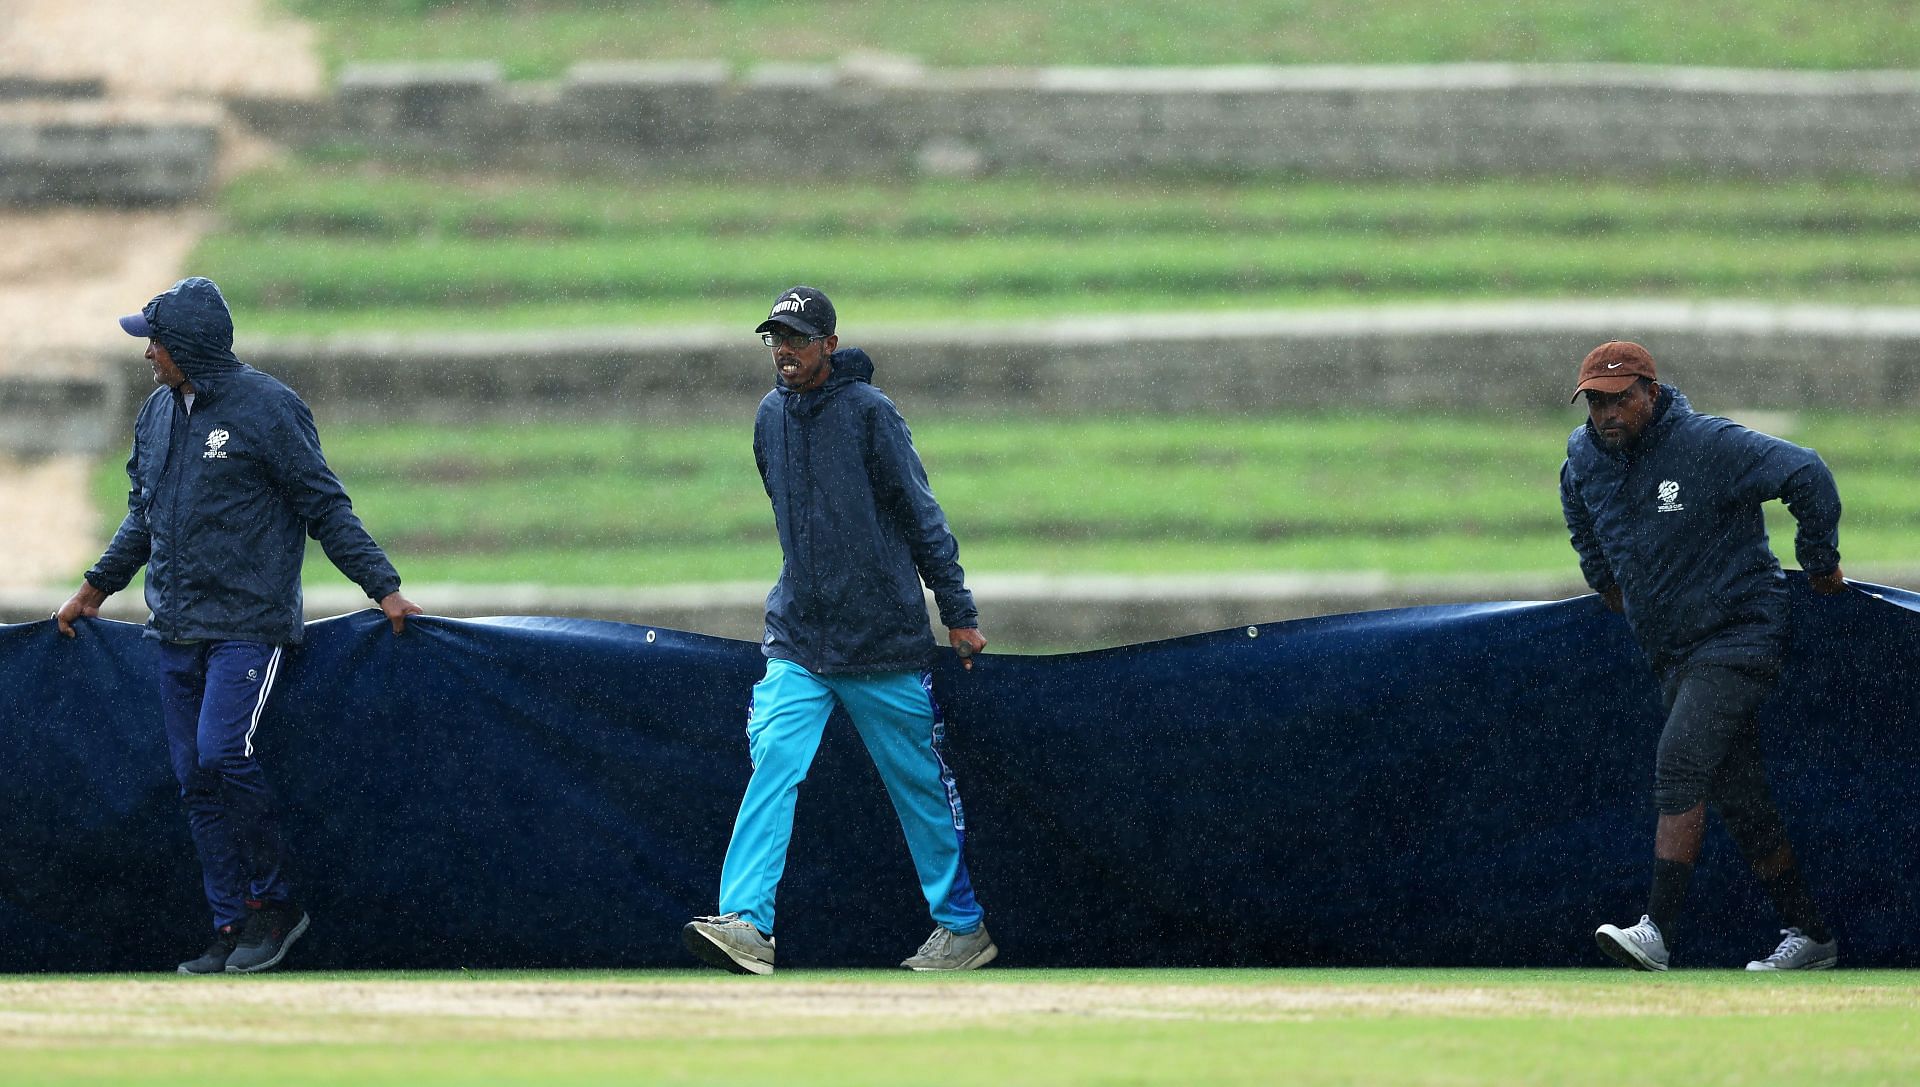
216, 445
1669, 497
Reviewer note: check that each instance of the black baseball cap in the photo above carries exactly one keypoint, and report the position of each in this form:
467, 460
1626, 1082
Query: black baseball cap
802, 309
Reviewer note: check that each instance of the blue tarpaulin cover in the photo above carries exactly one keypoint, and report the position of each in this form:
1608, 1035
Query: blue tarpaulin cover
1464, 785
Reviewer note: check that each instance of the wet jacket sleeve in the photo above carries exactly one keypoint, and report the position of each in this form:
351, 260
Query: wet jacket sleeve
131, 544
316, 495
900, 483
760, 454
1593, 559
1764, 468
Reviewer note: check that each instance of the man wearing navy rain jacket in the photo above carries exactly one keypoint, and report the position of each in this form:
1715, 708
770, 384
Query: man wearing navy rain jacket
228, 481
859, 530
1664, 508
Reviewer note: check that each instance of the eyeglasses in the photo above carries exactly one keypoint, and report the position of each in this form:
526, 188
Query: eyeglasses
794, 341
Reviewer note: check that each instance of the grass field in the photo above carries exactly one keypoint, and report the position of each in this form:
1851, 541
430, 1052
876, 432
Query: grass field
606, 503
334, 247
1000, 1026
541, 37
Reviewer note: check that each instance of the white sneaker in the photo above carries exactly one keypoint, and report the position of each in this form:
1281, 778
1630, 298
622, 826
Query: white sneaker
730, 942
949, 950
1640, 947
1799, 952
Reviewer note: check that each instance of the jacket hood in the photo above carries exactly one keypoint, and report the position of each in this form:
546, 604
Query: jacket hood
851, 365
191, 320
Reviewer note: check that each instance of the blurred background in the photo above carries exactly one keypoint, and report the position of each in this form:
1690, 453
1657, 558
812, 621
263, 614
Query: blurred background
1202, 315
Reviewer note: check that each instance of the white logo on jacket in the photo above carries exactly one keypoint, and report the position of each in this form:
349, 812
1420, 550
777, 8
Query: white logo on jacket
216, 443
1669, 497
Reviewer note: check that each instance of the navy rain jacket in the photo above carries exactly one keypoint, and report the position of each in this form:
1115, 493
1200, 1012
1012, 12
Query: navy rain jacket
223, 498
859, 529
1676, 523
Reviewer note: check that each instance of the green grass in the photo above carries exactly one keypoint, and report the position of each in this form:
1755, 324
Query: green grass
1002, 1026
540, 39
361, 246
612, 504
378, 203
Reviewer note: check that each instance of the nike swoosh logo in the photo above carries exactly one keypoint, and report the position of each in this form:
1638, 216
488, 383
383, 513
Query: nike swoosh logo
1615, 365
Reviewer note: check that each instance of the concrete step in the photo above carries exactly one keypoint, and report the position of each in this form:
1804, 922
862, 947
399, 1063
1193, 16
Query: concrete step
1463, 358
96, 152
894, 119
17, 88
41, 415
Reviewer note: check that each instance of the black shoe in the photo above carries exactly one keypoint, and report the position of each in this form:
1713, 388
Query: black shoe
272, 927
214, 959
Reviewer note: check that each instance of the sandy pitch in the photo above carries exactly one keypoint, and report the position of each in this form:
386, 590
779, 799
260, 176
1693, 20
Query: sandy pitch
66, 273
47, 529
161, 49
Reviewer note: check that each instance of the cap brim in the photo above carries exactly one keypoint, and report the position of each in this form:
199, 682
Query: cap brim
136, 324
784, 321
1618, 384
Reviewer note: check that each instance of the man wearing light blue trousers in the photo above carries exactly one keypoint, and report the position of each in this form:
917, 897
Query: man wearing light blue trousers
859, 530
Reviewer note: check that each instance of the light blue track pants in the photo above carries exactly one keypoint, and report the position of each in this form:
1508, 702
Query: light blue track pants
900, 723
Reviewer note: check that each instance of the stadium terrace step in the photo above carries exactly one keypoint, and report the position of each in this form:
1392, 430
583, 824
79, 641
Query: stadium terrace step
91, 152
1518, 356
15, 88
42, 415
899, 119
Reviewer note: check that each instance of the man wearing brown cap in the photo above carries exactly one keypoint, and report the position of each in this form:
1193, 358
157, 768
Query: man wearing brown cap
1664, 508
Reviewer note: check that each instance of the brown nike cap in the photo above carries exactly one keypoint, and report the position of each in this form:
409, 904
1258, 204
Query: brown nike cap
1613, 367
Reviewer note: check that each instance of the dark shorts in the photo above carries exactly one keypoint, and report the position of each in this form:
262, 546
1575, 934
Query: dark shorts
1710, 748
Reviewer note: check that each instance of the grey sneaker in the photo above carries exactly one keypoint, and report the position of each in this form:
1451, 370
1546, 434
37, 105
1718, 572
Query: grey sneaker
730, 942
272, 927
949, 950
214, 959
1799, 952
1640, 947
